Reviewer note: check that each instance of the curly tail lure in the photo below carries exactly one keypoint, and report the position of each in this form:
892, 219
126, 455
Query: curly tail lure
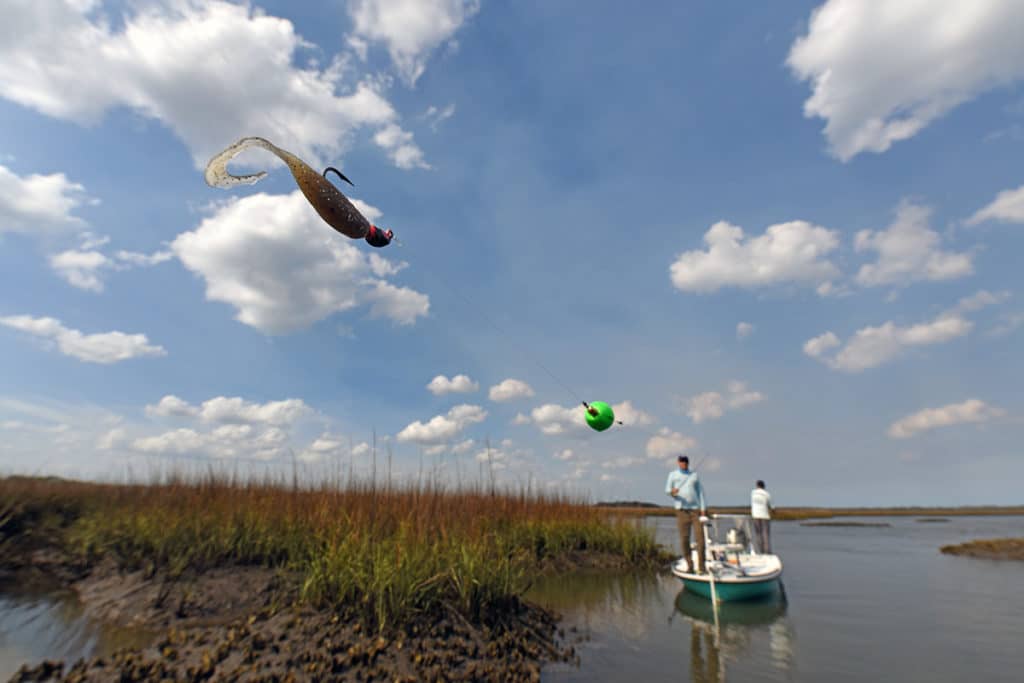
334, 207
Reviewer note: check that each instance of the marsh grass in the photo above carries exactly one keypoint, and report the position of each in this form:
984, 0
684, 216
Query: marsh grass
383, 553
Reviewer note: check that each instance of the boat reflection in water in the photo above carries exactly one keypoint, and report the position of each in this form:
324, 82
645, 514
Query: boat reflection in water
739, 625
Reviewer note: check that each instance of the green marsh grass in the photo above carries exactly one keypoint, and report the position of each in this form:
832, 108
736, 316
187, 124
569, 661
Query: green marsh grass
380, 552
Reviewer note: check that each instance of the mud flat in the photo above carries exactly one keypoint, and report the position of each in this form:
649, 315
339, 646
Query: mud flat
989, 549
266, 583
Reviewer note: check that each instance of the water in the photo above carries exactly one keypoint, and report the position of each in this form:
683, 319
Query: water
870, 604
40, 625
863, 604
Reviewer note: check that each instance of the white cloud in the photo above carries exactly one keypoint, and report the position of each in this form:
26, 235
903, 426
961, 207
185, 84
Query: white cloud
410, 29
463, 447
972, 410
400, 147
712, 405
80, 268
113, 439
629, 415
235, 410
38, 203
564, 454
84, 267
667, 443
908, 251
324, 446
509, 390
442, 428
172, 406
874, 346
786, 252
553, 420
459, 384
105, 348
282, 268
818, 345
882, 71
205, 69
744, 330
136, 259
1007, 207
437, 116
979, 300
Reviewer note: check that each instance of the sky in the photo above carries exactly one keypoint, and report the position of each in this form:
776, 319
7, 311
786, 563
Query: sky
780, 238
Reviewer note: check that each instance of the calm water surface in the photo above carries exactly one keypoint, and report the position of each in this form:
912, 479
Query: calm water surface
864, 604
42, 625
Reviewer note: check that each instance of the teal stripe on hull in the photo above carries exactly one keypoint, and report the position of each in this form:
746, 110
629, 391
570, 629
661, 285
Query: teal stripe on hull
730, 592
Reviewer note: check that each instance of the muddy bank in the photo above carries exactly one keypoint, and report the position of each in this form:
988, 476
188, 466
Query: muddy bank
989, 549
299, 643
246, 624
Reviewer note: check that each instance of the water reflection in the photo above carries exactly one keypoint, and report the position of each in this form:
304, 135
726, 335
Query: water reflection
740, 624
646, 627
51, 625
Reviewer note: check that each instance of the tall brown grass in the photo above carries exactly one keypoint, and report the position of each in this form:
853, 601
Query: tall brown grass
382, 552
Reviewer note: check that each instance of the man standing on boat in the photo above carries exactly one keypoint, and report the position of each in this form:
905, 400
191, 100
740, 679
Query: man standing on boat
686, 490
760, 510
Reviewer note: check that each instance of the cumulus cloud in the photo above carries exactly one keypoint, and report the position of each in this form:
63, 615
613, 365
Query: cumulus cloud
172, 406
880, 72
400, 147
509, 390
972, 410
908, 251
874, 346
104, 347
411, 29
712, 405
282, 269
667, 443
233, 410
85, 266
553, 420
39, 203
629, 415
205, 69
744, 330
459, 384
1007, 207
786, 252
564, 454
442, 428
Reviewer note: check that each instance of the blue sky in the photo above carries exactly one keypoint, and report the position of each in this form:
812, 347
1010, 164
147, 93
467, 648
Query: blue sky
781, 239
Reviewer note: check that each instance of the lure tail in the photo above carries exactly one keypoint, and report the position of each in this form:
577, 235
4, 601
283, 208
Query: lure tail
217, 174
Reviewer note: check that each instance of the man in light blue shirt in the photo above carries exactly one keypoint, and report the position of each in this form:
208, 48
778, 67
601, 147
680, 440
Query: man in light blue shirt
685, 488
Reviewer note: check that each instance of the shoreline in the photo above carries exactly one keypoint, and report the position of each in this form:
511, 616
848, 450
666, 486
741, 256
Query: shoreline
271, 583
791, 514
248, 624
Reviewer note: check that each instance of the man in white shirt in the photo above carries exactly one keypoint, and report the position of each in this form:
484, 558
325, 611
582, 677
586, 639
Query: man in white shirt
760, 510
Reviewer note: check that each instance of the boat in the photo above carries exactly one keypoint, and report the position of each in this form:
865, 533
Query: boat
736, 571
